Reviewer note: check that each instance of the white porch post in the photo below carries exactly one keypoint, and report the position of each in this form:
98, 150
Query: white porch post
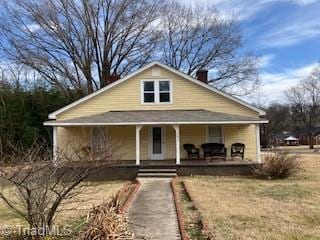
177, 129
55, 143
138, 128
258, 142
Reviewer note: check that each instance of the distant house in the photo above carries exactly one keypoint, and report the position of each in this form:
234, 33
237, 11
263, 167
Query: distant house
279, 139
299, 137
303, 136
291, 141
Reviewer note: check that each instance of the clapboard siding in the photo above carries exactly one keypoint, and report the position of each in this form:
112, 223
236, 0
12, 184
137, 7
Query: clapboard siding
186, 95
242, 134
124, 137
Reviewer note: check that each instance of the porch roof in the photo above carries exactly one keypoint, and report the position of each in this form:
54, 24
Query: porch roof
150, 117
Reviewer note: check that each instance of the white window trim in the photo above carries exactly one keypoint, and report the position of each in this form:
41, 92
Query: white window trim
222, 132
156, 92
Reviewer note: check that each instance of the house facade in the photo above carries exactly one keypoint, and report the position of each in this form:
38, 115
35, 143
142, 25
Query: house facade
153, 112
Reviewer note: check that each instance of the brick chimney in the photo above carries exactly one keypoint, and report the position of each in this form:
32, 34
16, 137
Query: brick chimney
202, 75
112, 78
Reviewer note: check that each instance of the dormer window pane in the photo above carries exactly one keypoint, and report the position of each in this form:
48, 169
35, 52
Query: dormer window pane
149, 97
149, 86
165, 97
164, 91
164, 86
148, 92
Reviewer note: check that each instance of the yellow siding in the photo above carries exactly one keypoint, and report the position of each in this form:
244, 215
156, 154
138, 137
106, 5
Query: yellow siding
124, 136
244, 134
186, 95
192, 134
72, 139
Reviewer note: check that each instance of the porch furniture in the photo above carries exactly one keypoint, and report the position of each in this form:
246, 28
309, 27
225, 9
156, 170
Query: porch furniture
214, 150
237, 150
193, 152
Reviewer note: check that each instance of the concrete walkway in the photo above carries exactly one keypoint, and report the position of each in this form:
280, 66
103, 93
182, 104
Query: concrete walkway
152, 214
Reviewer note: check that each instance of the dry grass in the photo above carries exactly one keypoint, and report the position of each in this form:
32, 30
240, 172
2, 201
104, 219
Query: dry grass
299, 147
243, 208
93, 194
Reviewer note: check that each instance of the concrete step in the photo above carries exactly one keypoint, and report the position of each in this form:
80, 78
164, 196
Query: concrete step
157, 170
156, 174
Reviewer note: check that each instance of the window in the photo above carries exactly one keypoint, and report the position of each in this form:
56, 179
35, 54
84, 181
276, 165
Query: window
98, 139
148, 89
156, 91
164, 91
215, 134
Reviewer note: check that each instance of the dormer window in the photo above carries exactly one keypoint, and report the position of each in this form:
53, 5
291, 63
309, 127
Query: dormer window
156, 91
148, 93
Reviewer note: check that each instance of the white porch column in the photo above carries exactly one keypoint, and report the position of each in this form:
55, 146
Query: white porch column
258, 142
138, 128
177, 129
55, 143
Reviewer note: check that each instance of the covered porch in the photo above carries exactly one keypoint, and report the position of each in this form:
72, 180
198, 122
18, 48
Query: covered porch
157, 137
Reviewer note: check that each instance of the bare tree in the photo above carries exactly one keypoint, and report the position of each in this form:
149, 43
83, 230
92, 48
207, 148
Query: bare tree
197, 38
304, 101
41, 185
79, 44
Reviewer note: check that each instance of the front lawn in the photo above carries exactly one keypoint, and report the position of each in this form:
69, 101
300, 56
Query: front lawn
92, 194
244, 208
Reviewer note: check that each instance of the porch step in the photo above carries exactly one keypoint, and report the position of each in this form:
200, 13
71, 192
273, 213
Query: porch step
157, 172
158, 175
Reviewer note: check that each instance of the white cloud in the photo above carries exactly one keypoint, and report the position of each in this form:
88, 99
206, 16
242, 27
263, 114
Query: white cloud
304, 2
241, 9
266, 60
297, 31
274, 84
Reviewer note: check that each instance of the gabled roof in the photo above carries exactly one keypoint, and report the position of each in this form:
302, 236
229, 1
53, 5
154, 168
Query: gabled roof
305, 131
185, 76
150, 117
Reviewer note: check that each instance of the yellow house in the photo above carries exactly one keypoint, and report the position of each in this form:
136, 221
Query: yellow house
153, 112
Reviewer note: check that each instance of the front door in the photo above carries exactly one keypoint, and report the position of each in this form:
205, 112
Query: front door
157, 143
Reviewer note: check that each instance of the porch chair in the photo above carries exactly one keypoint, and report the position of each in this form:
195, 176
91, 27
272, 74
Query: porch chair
192, 151
214, 150
237, 150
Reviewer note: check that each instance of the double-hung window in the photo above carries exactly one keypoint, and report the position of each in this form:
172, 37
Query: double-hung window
148, 91
98, 139
215, 134
156, 91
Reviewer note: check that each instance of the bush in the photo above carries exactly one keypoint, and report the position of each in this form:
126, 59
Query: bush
106, 222
277, 165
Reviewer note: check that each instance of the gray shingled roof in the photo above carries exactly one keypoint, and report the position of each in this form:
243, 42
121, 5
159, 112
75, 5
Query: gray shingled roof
155, 116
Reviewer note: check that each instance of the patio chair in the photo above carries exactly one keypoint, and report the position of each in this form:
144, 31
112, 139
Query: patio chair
193, 152
237, 150
214, 150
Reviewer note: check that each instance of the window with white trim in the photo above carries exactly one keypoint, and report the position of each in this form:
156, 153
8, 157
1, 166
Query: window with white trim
98, 138
148, 91
215, 134
156, 91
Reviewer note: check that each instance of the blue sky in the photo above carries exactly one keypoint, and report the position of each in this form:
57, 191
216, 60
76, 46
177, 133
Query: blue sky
285, 34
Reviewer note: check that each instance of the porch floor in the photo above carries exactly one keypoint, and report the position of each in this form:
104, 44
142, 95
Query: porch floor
187, 163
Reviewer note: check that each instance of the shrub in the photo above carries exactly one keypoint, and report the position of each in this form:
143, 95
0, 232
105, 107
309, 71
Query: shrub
106, 222
277, 165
